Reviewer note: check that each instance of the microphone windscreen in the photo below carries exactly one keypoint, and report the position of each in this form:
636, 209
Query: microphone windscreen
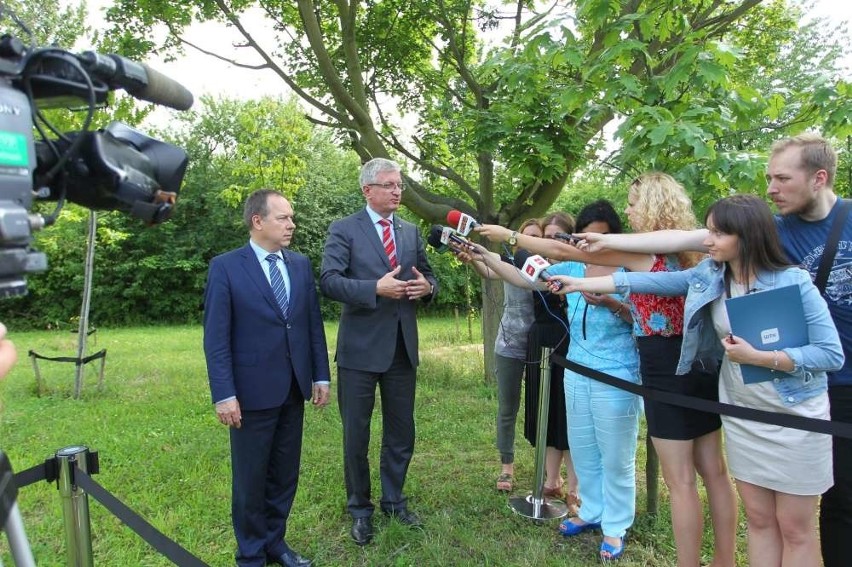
453, 217
163, 90
520, 258
435, 238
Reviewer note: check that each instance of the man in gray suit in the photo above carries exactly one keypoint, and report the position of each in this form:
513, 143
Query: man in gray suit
375, 264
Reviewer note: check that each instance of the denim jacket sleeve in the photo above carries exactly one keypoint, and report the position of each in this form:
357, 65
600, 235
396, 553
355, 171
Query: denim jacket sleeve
823, 351
659, 283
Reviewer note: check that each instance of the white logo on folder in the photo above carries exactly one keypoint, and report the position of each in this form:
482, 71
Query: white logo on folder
769, 336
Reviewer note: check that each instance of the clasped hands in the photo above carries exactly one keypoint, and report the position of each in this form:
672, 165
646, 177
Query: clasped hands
390, 287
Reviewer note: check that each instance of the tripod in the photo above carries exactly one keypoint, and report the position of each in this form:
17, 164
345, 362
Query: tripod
10, 516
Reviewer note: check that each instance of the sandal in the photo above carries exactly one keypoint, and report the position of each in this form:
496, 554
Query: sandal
569, 529
610, 552
504, 482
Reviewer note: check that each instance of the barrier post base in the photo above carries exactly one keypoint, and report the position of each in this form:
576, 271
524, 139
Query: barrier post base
538, 508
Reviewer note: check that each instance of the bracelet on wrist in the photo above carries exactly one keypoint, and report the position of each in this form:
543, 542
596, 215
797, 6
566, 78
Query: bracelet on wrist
618, 311
774, 361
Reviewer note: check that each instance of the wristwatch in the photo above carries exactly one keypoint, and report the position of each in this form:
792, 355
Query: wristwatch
513, 238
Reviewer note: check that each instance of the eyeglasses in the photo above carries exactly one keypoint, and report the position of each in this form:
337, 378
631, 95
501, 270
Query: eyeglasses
390, 186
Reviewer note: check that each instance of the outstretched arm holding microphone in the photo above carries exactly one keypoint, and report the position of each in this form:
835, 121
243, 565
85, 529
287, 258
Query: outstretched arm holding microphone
655, 242
577, 251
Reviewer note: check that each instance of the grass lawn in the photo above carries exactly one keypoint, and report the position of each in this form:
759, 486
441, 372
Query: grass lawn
163, 453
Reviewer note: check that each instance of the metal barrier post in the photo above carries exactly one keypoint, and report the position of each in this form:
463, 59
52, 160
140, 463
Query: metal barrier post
534, 505
75, 506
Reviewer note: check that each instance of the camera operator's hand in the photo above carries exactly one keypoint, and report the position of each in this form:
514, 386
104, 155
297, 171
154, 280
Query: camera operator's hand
8, 354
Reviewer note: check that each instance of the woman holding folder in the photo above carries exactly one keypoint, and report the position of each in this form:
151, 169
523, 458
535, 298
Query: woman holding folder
779, 472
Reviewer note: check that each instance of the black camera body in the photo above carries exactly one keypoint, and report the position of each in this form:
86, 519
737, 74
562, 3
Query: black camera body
114, 168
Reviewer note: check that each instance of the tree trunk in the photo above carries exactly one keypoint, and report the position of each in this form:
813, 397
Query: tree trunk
492, 310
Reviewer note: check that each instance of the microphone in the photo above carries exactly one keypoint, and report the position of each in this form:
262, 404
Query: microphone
435, 239
138, 79
534, 268
463, 222
440, 238
566, 237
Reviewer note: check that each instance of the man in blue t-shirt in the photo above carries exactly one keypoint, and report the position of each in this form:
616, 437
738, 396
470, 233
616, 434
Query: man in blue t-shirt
801, 184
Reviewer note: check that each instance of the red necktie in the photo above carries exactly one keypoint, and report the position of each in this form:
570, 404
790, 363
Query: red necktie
387, 241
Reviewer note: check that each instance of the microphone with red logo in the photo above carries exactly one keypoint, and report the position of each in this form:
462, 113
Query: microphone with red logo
440, 238
463, 222
534, 268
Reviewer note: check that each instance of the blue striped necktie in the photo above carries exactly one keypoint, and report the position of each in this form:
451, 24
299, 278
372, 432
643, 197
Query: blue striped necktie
277, 282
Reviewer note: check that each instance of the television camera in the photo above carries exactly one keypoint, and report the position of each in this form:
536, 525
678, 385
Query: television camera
113, 168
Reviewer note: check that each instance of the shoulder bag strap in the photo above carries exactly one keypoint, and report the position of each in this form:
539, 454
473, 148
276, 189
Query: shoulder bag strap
831, 245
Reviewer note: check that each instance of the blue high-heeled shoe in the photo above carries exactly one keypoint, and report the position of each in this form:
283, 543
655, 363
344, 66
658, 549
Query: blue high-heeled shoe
612, 553
568, 528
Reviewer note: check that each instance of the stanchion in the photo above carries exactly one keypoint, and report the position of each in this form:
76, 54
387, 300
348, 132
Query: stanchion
75, 506
534, 505
10, 517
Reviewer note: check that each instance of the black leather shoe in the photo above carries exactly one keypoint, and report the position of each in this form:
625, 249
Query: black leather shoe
290, 559
405, 517
362, 531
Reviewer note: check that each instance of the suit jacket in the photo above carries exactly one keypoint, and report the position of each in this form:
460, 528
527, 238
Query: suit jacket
252, 351
353, 260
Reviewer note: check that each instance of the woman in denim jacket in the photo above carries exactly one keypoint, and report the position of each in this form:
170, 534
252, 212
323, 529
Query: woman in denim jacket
779, 472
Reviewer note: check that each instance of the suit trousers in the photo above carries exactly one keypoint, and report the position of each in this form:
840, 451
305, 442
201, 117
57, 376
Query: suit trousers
265, 456
835, 512
356, 393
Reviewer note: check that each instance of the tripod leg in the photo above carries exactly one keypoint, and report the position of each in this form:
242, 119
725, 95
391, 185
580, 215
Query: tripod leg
21, 552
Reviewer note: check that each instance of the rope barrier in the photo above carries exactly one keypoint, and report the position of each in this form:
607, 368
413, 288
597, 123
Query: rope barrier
834, 428
49, 471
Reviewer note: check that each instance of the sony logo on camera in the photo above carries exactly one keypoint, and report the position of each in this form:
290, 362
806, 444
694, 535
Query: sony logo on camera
9, 109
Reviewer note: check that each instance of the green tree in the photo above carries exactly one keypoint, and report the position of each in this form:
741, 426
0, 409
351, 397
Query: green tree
503, 120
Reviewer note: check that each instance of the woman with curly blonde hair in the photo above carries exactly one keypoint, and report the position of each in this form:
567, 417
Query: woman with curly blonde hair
687, 441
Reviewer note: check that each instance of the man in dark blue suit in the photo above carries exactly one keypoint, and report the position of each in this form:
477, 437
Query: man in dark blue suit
375, 264
266, 354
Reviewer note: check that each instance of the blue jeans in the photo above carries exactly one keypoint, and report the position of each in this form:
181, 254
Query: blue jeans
603, 424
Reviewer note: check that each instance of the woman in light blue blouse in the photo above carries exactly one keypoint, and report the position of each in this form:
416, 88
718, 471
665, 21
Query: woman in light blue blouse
603, 421
779, 472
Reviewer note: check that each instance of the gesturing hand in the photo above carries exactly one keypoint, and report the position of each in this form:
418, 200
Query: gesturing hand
419, 286
389, 286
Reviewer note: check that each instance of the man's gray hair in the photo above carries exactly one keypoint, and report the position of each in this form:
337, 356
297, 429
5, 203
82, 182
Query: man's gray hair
371, 169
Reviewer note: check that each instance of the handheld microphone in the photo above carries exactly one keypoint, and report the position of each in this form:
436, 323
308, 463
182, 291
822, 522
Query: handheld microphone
463, 222
435, 239
566, 237
534, 268
138, 79
449, 235
440, 238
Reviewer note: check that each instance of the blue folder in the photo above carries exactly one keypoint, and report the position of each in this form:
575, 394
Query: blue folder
769, 320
